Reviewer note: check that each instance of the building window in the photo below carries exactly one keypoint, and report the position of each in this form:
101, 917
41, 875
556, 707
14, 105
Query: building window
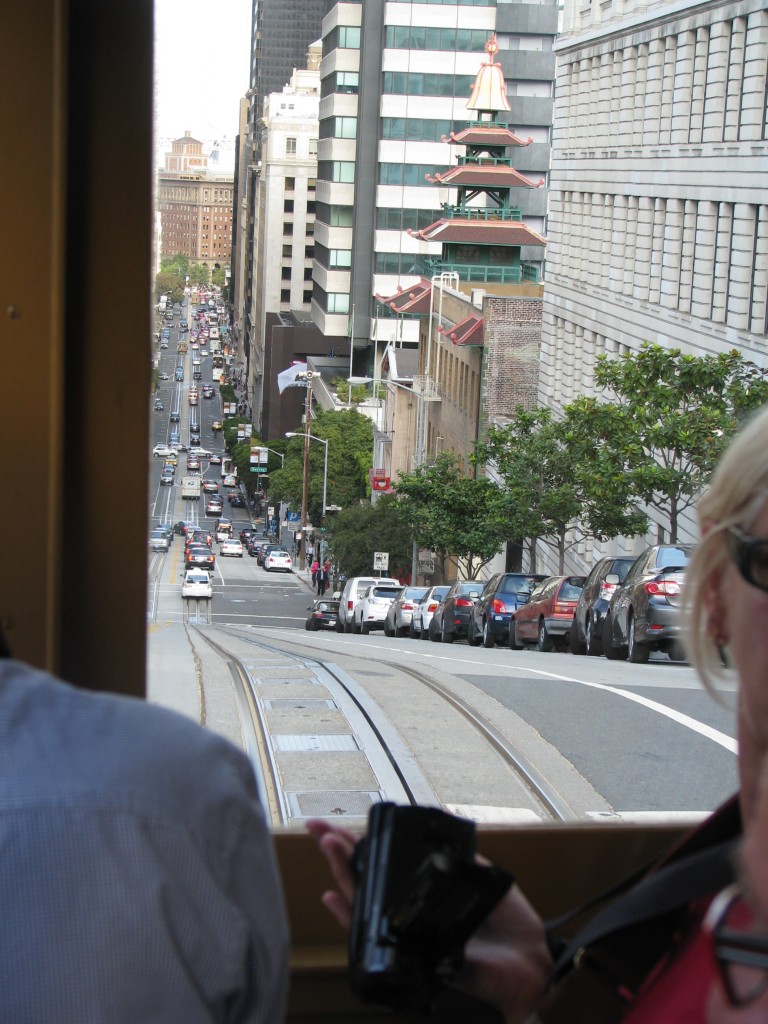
288, 206
290, 184
307, 297
286, 274
313, 147
285, 294
337, 170
290, 146
287, 229
288, 251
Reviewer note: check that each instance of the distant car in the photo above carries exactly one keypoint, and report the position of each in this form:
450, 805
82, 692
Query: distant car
323, 614
208, 392
213, 507
587, 631
162, 451
174, 438
451, 619
232, 548
245, 535
400, 612
230, 480
192, 398
215, 460
158, 405
236, 500
201, 453
224, 530
211, 486
547, 617
193, 462
204, 354
645, 611
159, 540
424, 610
217, 424
502, 595
178, 375
167, 477
175, 416
197, 583
278, 559
199, 556
372, 608
197, 536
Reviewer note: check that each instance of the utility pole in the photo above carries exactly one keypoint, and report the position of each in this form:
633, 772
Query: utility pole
305, 484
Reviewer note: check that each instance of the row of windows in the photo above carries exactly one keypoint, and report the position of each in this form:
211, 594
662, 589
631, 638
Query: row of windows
343, 37
396, 263
703, 86
397, 219
421, 37
405, 174
415, 129
335, 216
343, 81
452, 3
330, 302
333, 259
703, 258
285, 296
336, 170
338, 128
287, 274
416, 83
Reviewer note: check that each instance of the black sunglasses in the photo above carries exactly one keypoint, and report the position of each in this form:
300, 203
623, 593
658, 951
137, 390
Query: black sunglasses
741, 954
749, 555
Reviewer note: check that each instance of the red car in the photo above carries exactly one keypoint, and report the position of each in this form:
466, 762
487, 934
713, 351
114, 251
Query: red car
546, 618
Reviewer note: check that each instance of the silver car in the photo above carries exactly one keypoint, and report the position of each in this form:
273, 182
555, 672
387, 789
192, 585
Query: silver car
400, 612
424, 610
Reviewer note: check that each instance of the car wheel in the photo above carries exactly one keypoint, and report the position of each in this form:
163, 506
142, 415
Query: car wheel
355, 627
545, 642
424, 633
488, 637
593, 639
445, 636
348, 626
612, 653
575, 646
434, 633
365, 628
308, 625
514, 643
387, 630
637, 653
413, 633
472, 638
677, 652
339, 626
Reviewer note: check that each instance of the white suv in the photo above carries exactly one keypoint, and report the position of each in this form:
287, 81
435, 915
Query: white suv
353, 592
373, 606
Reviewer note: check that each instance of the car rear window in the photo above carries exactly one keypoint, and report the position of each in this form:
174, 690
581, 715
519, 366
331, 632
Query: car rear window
386, 591
569, 592
673, 556
363, 585
518, 585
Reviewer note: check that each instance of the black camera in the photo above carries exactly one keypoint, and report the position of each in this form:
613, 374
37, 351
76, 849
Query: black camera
418, 898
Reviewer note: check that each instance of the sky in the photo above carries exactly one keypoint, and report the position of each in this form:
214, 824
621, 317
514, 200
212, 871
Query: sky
202, 55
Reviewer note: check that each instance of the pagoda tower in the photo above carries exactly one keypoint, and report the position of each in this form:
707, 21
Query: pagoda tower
483, 235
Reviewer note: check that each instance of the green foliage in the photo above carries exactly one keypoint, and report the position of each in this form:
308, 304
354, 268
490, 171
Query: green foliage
358, 531
451, 513
350, 448
540, 462
167, 283
670, 419
199, 273
218, 277
356, 393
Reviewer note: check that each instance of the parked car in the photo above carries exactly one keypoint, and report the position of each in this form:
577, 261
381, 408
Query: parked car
371, 609
644, 613
587, 630
451, 618
352, 592
547, 617
400, 612
231, 547
197, 583
278, 560
502, 595
323, 614
424, 610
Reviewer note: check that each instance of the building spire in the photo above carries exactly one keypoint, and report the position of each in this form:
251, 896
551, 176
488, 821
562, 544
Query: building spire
489, 94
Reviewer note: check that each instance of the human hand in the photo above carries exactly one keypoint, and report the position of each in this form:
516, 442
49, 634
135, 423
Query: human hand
506, 962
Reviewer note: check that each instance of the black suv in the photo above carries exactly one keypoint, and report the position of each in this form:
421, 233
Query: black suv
500, 598
586, 635
644, 613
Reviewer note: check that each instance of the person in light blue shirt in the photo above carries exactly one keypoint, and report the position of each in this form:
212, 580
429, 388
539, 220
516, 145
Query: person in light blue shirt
137, 876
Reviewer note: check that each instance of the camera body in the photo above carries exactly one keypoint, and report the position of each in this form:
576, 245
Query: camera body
419, 896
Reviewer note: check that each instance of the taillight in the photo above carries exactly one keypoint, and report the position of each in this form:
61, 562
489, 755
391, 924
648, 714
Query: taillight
350, 606
563, 609
463, 602
497, 605
432, 606
663, 588
407, 606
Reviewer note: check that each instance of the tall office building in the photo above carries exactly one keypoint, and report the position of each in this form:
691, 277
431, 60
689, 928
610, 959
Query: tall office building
395, 80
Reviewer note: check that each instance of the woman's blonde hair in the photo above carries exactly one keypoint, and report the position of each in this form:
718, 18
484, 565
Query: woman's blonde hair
735, 496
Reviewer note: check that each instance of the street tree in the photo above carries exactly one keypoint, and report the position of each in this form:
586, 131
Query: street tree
452, 513
361, 529
539, 463
661, 425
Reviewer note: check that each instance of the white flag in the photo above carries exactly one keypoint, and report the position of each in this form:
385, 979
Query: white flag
287, 378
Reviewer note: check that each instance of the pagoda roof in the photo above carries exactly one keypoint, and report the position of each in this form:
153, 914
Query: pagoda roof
492, 135
489, 92
414, 298
469, 331
479, 232
483, 175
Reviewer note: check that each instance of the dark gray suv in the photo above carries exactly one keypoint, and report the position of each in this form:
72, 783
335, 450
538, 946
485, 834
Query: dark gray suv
586, 636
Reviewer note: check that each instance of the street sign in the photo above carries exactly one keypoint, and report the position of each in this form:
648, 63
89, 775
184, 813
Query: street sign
381, 560
333, 508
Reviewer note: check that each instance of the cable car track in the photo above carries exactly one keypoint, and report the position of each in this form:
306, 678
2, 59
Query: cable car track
551, 805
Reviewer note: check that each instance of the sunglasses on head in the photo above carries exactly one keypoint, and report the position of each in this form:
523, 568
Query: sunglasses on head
749, 555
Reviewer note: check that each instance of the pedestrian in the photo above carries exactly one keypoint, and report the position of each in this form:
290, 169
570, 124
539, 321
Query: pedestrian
323, 577
315, 567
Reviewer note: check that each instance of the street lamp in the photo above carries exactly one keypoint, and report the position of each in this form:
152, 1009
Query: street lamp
279, 454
